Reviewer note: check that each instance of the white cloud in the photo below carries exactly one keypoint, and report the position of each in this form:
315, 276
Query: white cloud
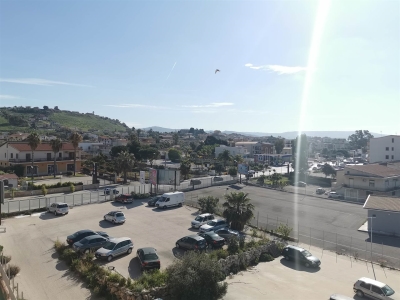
277, 68
39, 81
8, 97
215, 104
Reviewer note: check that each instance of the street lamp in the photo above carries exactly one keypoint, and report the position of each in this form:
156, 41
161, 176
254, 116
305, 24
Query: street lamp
373, 217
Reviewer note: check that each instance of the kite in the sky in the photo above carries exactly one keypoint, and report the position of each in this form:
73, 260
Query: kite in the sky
217, 71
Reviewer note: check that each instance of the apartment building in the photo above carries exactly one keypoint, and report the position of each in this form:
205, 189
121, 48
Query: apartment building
233, 151
384, 149
252, 147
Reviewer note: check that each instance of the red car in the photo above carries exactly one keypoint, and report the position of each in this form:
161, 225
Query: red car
124, 198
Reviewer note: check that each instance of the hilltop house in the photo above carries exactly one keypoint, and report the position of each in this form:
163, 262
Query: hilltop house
14, 153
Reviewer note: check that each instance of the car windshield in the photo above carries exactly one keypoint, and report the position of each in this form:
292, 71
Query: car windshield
387, 290
198, 218
84, 241
150, 256
162, 199
62, 205
306, 253
109, 246
119, 214
213, 235
212, 223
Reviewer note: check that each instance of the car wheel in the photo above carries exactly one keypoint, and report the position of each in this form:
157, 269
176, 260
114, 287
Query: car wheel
109, 258
360, 294
307, 265
129, 251
55, 213
113, 221
287, 258
180, 204
177, 245
104, 218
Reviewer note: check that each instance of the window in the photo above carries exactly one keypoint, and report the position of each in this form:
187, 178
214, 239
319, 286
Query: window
392, 148
387, 148
392, 156
60, 155
395, 182
386, 183
392, 140
387, 156
70, 167
365, 285
16, 155
376, 289
5, 155
11, 155
372, 183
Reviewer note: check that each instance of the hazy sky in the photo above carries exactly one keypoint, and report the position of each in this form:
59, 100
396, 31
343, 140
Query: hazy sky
152, 63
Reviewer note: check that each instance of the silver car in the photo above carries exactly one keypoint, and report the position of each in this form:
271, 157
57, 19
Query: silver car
58, 208
116, 217
373, 289
115, 247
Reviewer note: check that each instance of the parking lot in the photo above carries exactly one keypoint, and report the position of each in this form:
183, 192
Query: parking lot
281, 279
30, 242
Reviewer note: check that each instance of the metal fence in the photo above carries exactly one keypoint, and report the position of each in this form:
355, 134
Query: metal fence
15, 293
383, 250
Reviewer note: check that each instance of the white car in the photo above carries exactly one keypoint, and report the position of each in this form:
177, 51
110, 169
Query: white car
58, 208
116, 217
214, 225
108, 191
334, 195
201, 220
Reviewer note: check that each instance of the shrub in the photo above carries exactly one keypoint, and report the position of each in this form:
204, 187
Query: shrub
122, 281
242, 261
208, 204
69, 173
255, 261
187, 278
232, 171
137, 287
284, 230
72, 188
233, 246
59, 246
154, 278
264, 257
254, 232
219, 254
44, 190
5, 259
114, 277
13, 270
68, 255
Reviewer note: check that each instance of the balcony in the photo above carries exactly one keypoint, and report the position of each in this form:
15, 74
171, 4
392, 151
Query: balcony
24, 160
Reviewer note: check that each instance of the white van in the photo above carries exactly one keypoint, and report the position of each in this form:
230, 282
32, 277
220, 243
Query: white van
171, 199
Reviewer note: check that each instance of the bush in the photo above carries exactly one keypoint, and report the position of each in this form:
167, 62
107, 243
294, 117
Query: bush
72, 188
69, 173
151, 279
13, 270
233, 246
68, 255
232, 171
5, 259
44, 190
208, 204
219, 254
137, 287
284, 230
60, 246
264, 257
187, 278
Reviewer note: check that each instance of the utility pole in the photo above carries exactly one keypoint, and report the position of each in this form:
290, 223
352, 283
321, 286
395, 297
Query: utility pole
1, 196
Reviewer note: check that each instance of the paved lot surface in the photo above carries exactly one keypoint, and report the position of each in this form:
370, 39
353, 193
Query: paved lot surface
284, 280
30, 242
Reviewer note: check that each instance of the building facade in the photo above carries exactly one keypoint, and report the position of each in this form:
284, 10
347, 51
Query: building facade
251, 147
233, 151
384, 149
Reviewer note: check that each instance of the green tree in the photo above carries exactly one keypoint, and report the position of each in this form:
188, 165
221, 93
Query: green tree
279, 145
134, 147
208, 204
196, 276
175, 138
116, 150
300, 154
56, 146
261, 179
174, 155
232, 171
284, 230
219, 168
75, 139
185, 168
238, 159
328, 170
359, 139
224, 157
238, 210
325, 151
125, 163
149, 153
275, 178
33, 141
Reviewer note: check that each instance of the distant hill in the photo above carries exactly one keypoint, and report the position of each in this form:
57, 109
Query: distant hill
24, 118
160, 129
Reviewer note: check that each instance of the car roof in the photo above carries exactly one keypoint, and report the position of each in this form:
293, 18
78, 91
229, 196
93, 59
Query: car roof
148, 250
295, 247
203, 215
118, 240
196, 237
84, 230
115, 211
372, 281
95, 236
60, 203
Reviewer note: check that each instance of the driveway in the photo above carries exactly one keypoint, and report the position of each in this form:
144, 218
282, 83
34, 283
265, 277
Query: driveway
30, 241
284, 280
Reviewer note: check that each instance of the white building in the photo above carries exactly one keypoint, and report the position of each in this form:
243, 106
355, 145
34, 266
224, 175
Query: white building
251, 147
90, 147
384, 149
233, 151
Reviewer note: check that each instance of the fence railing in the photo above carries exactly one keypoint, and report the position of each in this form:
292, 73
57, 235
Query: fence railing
384, 250
13, 289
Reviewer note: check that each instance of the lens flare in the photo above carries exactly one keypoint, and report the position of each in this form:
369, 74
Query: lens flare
320, 20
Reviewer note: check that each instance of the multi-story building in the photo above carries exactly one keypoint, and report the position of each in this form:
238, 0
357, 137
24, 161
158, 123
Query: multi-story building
19, 153
384, 149
267, 148
252, 147
233, 151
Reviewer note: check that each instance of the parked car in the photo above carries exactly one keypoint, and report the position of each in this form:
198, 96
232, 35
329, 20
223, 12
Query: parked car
192, 242
171, 199
152, 201
320, 191
334, 195
58, 208
124, 198
213, 225
116, 217
300, 255
148, 258
108, 191
202, 219
90, 243
213, 240
227, 233
77, 236
115, 247
372, 289
300, 184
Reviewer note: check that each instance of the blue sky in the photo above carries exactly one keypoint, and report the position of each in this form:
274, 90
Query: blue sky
152, 63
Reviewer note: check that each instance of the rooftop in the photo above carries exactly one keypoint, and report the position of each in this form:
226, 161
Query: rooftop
8, 176
375, 170
382, 203
41, 147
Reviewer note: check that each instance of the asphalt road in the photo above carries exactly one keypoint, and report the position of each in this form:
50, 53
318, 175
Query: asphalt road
331, 224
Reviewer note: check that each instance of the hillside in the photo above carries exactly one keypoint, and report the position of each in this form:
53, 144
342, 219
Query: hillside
23, 118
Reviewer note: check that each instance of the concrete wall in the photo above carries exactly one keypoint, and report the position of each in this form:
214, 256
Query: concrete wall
51, 191
378, 152
387, 223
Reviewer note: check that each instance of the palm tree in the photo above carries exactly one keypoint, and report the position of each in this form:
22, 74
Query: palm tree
75, 139
238, 210
33, 142
225, 156
56, 146
125, 163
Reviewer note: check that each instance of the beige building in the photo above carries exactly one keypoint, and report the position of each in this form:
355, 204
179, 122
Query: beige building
251, 147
